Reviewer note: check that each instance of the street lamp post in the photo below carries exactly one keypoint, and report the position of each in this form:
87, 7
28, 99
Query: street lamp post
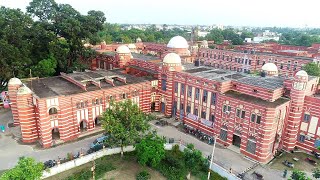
211, 160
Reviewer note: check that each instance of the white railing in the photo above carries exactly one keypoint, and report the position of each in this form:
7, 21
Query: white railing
105, 152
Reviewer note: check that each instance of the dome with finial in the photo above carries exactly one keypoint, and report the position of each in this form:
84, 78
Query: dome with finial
302, 73
24, 90
172, 58
138, 40
14, 81
270, 69
123, 49
178, 42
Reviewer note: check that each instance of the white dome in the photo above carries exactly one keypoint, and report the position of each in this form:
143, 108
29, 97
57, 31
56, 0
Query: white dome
14, 81
131, 46
178, 42
123, 49
138, 39
205, 42
270, 67
302, 73
172, 58
24, 90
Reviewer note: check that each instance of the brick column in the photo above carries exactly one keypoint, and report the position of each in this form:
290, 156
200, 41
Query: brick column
27, 117
13, 86
292, 124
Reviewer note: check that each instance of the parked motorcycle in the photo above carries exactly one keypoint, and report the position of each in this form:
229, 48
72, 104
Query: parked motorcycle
49, 164
316, 154
288, 164
311, 161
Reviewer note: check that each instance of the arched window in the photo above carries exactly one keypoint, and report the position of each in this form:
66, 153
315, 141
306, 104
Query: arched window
53, 111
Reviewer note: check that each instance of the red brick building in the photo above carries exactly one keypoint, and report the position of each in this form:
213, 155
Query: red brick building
277, 108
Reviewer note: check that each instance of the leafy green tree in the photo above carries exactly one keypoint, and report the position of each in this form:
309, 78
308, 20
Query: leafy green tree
150, 150
193, 159
312, 69
215, 35
125, 123
26, 169
45, 67
316, 173
299, 175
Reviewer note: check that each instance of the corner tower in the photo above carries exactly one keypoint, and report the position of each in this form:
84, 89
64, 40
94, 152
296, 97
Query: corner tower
297, 95
123, 55
13, 86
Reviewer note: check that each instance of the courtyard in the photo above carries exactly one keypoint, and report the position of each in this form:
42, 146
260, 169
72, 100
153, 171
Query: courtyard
301, 164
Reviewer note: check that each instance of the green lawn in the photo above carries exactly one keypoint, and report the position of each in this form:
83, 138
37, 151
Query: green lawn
300, 165
114, 167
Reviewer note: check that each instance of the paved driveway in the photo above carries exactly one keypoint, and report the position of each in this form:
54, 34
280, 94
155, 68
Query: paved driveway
10, 150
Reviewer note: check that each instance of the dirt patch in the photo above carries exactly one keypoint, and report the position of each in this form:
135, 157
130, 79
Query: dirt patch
128, 170
302, 164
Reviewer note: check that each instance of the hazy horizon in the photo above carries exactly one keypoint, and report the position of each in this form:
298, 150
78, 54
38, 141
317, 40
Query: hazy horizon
269, 13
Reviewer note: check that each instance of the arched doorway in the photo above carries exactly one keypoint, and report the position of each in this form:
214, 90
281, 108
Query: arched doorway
153, 106
55, 134
97, 121
83, 126
163, 107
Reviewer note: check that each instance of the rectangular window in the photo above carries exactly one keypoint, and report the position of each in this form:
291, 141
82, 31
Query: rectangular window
238, 113
203, 114
181, 106
189, 91
197, 93
229, 108
224, 109
306, 117
163, 84
258, 62
243, 114
188, 109
253, 117
249, 62
258, 119
251, 147
212, 117
196, 111
182, 89
223, 135
302, 138
205, 95
176, 87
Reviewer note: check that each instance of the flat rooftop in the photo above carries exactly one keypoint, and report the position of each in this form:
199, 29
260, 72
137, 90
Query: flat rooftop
144, 57
255, 100
60, 86
222, 75
291, 51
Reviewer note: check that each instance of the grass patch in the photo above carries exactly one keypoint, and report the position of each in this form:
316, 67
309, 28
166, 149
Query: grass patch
301, 165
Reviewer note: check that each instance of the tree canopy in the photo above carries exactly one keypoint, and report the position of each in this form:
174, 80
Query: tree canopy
312, 69
299, 175
26, 169
125, 123
150, 150
194, 160
52, 43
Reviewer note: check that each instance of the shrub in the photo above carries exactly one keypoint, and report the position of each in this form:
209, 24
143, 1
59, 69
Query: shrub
143, 175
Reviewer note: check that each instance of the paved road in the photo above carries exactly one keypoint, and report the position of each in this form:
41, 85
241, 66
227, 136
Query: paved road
10, 151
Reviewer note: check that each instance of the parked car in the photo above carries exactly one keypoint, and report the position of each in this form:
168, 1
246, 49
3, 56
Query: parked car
311, 161
98, 143
316, 154
288, 164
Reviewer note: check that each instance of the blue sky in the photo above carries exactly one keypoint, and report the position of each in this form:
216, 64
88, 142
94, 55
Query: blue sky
292, 13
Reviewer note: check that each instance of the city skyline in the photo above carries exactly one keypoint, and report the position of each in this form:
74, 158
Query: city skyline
229, 13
